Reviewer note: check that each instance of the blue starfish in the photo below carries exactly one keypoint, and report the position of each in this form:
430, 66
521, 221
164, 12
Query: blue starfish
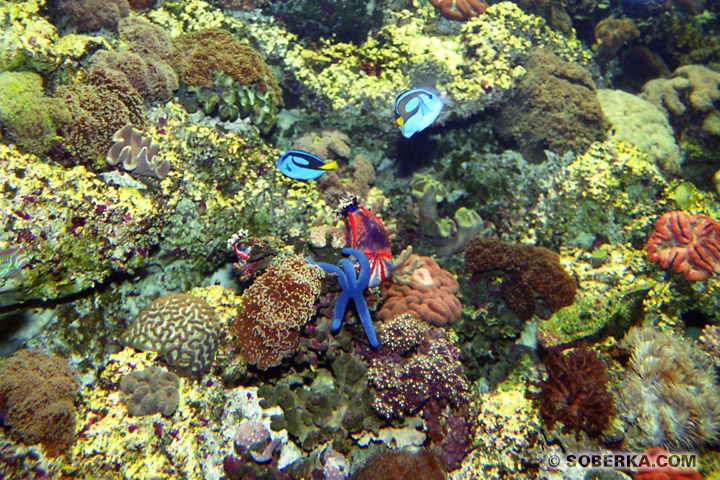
351, 288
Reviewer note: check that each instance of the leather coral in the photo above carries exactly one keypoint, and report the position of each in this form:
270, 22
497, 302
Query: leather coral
421, 287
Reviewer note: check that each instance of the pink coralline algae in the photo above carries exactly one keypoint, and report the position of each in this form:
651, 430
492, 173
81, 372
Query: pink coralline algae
690, 244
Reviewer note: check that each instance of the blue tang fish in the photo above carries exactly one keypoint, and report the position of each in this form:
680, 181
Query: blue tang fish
303, 165
417, 109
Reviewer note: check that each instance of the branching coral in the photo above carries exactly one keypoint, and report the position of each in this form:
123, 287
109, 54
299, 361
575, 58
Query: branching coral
274, 308
37, 392
575, 392
414, 364
421, 287
181, 328
529, 270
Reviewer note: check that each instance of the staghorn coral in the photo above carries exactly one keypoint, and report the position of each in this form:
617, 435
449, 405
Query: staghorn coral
553, 108
93, 15
529, 270
415, 363
575, 392
273, 309
137, 154
37, 392
30, 119
421, 287
150, 391
181, 328
464, 9
690, 244
668, 395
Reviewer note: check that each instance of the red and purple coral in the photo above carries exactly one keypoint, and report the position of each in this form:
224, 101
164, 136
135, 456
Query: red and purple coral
690, 244
575, 392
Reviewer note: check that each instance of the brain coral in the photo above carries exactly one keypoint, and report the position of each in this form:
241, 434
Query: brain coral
150, 391
37, 391
421, 287
529, 270
180, 327
274, 308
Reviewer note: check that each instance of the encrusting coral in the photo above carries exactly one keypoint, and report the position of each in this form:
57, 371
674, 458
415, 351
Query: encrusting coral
150, 391
421, 287
37, 392
273, 309
137, 154
182, 328
529, 270
422, 464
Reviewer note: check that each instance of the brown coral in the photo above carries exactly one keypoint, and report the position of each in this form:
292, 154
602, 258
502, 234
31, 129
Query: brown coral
611, 34
554, 107
529, 270
182, 328
199, 55
421, 287
37, 392
274, 308
575, 392
93, 15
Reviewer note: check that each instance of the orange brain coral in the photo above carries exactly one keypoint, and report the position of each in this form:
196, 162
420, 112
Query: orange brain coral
273, 310
421, 287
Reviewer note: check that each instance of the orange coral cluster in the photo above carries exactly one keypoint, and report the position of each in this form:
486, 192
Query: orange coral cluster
274, 308
37, 391
421, 287
465, 8
530, 270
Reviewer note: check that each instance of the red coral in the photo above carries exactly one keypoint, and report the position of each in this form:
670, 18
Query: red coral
466, 9
663, 473
690, 244
575, 392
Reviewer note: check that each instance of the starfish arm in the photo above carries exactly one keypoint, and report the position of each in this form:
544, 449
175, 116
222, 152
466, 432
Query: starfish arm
365, 320
331, 269
364, 277
339, 311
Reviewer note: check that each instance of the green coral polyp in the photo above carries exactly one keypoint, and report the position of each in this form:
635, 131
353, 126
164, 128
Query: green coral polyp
229, 100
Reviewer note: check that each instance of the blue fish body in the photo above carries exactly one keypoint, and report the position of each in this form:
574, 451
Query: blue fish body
417, 109
303, 165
